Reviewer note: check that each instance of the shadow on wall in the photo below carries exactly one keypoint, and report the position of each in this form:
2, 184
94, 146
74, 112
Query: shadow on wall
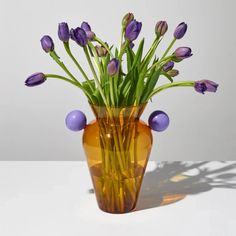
168, 183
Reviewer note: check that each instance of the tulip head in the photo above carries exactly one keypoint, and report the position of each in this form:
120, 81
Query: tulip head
168, 66
180, 30
113, 67
47, 43
85, 26
161, 28
173, 72
101, 51
35, 79
63, 32
202, 86
132, 30
127, 19
182, 53
79, 36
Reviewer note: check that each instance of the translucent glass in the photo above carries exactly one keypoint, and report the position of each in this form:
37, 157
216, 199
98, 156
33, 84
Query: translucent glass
117, 145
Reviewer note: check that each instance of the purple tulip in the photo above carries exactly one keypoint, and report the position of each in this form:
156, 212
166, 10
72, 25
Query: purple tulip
63, 32
182, 53
132, 30
79, 36
180, 30
76, 120
127, 19
89, 33
158, 121
85, 26
113, 67
205, 85
35, 79
161, 28
47, 43
168, 66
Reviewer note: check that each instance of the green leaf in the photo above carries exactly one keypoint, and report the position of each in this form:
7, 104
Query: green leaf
167, 76
138, 56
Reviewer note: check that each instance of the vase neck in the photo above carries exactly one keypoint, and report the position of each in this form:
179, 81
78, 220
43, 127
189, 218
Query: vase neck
115, 114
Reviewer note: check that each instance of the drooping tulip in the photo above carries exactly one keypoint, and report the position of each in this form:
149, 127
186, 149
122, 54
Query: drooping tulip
202, 86
168, 66
35, 79
182, 53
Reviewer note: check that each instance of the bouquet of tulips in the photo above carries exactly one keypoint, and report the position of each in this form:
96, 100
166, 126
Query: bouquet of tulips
116, 82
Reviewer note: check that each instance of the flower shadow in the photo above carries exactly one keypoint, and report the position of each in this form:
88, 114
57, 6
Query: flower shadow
171, 182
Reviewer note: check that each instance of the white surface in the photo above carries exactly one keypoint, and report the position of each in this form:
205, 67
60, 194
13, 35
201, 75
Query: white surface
34, 117
52, 199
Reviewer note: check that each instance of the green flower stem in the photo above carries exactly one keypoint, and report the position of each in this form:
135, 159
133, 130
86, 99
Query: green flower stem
162, 61
96, 57
171, 85
168, 49
95, 76
67, 48
61, 78
104, 45
123, 50
121, 37
69, 81
62, 65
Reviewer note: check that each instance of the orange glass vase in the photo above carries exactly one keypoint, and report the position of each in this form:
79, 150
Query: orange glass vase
117, 145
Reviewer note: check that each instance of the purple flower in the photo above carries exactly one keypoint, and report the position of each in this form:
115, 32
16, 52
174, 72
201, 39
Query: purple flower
127, 19
132, 30
79, 36
168, 66
85, 26
47, 43
180, 30
89, 33
113, 67
63, 32
161, 28
35, 79
182, 53
205, 85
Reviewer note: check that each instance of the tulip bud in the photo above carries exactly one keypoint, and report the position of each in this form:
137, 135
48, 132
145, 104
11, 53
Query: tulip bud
35, 79
63, 32
85, 26
173, 72
132, 30
168, 66
127, 19
113, 67
90, 35
47, 43
182, 53
205, 85
161, 28
79, 36
180, 30
101, 51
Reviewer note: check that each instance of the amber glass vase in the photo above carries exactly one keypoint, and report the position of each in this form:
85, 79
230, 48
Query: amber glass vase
117, 145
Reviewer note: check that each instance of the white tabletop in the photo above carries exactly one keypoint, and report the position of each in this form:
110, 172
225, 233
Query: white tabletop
177, 198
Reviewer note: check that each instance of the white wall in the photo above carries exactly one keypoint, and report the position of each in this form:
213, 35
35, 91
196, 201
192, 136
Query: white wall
32, 119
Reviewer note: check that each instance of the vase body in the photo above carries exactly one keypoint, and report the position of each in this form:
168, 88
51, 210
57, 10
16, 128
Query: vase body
117, 146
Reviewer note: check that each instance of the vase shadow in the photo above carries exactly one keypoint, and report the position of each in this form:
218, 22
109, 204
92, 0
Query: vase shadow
171, 182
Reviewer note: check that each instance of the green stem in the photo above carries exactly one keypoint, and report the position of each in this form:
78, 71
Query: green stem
62, 65
123, 50
171, 85
164, 61
168, 49
67, 48
121, 37
104, 45
95, 75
